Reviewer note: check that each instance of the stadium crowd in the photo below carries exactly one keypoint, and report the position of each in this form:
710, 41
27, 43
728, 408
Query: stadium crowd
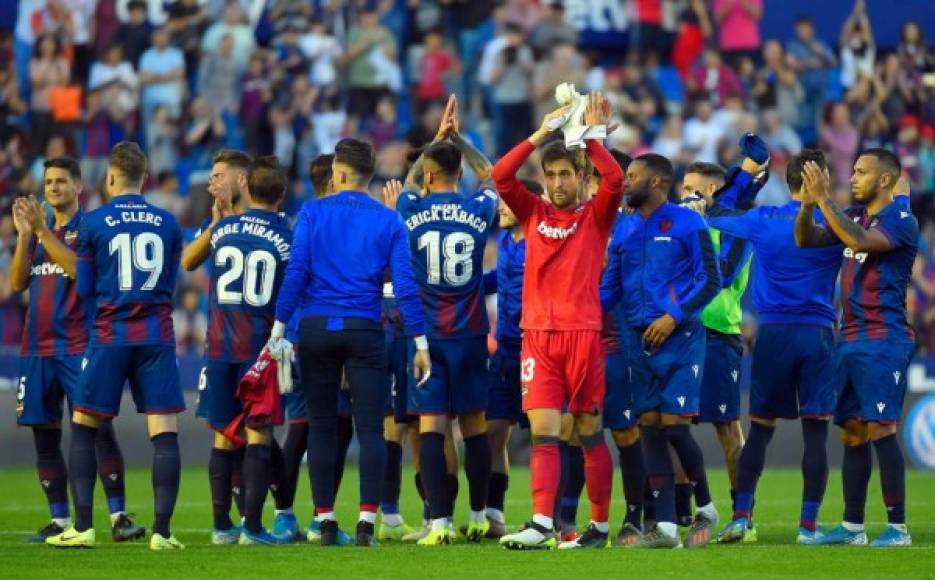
292, 77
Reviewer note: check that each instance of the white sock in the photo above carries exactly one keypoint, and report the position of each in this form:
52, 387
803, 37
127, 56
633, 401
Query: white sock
114, 516
544, 521
708, 510
901, 527
602, 527
63, 523
393, 520
369, 517
439, 524
668, 528
287, 511
477, 516
852, 527
495, 515
325, 516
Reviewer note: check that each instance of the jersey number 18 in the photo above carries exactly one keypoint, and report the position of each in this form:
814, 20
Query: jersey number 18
448, 257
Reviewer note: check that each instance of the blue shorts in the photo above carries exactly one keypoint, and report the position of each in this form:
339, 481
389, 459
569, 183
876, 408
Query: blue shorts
669, 380
44, 382
870, 380
720, 382
152, 371
458, 382
217, 392
792, 370
621, 400
504, 394
399, 352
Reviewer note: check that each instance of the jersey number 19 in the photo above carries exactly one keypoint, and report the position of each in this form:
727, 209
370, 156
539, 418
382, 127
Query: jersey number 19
143, 252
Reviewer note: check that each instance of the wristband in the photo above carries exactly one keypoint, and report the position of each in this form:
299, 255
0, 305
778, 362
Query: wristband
421, 342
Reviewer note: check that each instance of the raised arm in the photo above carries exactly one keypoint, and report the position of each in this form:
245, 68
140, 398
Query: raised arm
850, 233
58, 252
19, 267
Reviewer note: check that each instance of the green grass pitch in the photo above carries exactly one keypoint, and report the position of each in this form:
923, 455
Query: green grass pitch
22, 509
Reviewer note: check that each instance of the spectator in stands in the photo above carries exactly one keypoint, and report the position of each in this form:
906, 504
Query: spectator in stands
370, 48
858, 50
810, 57
116, 81
692, 32
563, 65
290, 58
475, 30
23, 41
105, 25
162, 76
322, 50
81, 13
55, 19
703, 133
647, 36
713, 79
286, 14
913, 51
190, 322
738, 24
135, 34
48, 70
779, 137
840, 140
553, 29
162, 141
186, 25
776, 85
233, 23
382, 127
12, 106
102, 130
526, 13
670, 142
218, 77
511, 89
438, 67
166, 193
255, 95
328, 122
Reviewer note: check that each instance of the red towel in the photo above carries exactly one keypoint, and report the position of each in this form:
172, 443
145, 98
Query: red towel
259, 392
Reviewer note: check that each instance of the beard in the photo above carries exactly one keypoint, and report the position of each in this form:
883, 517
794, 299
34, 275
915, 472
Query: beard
636, 198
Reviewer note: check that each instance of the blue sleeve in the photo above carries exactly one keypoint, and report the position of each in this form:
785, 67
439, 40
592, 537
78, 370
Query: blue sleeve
490, 282
84, 271
611, 282
737, 183
734, 255
298, 271
404, 281
406, 202
735, 223
900, 227
705, 280
175, 258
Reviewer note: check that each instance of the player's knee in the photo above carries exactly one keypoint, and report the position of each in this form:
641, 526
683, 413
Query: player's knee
82, 418
588, 424
158, 424
223, 443
433, 424
472, 424
545, 422
626, 437
854, 433
877, 431
650, 419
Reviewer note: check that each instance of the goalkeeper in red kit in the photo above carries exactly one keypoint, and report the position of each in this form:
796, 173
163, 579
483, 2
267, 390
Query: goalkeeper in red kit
562, 357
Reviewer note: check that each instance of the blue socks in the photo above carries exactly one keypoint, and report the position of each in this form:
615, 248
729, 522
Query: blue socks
750, 467
434, 473
814, 470
659, 473
110, 467
892, 478
50, 466
83, 472
477, 468
167, 470
257, 468
855, 474
633, 470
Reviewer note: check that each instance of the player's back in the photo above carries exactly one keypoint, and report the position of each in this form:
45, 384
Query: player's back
134, 250
249, 253
789, 281
448, 234
511, 266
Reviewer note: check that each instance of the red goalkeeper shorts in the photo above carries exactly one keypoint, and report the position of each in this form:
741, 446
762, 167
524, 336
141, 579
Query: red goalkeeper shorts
563, 370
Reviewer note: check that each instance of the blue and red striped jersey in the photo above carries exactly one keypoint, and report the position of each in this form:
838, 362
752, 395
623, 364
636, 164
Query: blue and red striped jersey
447, 236
874, 284
128, 262
248, 260
56, 321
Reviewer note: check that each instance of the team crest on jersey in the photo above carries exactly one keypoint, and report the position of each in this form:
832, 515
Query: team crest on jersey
665, 225
71, 236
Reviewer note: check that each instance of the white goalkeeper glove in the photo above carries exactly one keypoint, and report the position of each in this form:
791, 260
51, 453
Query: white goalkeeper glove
572, 123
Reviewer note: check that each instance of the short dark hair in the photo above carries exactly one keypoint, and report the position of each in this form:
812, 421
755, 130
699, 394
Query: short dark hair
358, 155
797, 164
266, 180
446, 156
660, 167
66, 163
234, 158
556, 151
887, 159
319, 170
533, 186
127, 158
709, 170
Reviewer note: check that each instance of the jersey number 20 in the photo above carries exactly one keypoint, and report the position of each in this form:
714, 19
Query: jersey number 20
448, 257
257, 269
143, 252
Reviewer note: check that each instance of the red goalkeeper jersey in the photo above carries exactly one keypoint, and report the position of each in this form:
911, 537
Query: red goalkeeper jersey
565, 249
